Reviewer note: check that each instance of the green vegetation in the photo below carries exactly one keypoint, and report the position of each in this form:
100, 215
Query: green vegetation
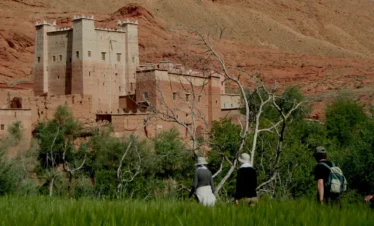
111, 180
45, 211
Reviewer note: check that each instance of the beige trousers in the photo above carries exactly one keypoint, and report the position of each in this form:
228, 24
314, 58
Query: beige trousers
249, 201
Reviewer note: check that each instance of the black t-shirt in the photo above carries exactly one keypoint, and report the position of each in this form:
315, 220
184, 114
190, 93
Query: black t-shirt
246, 183
322, 172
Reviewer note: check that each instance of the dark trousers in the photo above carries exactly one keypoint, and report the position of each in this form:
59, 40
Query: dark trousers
331, 199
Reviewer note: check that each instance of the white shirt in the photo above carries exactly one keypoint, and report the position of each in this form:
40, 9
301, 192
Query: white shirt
245, 165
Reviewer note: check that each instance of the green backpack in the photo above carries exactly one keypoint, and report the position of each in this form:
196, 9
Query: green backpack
336, 181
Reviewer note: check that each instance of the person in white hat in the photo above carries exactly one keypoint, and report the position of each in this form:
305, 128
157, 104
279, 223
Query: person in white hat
246, 182
203, 187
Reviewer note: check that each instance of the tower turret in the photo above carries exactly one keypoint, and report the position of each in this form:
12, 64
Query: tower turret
83, 42
131, 53
41, 56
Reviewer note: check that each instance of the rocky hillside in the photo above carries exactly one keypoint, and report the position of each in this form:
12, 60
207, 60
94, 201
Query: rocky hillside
320, 45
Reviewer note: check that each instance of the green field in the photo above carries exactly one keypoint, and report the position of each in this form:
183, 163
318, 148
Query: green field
55, 211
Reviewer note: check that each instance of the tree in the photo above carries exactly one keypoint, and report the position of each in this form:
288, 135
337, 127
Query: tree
252, 125
14, 176
343, 117
56, 139
351, 131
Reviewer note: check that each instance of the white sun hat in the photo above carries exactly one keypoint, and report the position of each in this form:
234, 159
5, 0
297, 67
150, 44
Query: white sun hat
201, 161
244, 158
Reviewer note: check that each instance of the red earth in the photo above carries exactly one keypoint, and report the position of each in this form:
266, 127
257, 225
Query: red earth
322, 47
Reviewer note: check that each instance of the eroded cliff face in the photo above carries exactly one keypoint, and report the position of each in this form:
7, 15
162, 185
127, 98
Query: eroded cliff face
322, 46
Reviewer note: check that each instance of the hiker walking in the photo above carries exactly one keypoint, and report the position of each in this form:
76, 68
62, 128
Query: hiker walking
246, 182
203, 187
330, 179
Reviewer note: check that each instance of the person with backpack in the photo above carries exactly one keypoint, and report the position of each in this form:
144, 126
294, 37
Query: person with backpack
370, 198
330, 179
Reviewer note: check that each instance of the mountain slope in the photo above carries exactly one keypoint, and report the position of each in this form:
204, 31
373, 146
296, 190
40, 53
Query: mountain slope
320, 45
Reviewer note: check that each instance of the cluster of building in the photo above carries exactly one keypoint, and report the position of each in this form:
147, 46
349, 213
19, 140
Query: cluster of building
97, 73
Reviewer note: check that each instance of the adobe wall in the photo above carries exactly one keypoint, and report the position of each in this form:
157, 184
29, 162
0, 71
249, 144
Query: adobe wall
144, 125
127, 124
59, 62
41, 57
103, 69
233, 114
44, 107
88, 61
146, 86
214, 99
9, 116
177, 93
230, 101
132, 54
6, 94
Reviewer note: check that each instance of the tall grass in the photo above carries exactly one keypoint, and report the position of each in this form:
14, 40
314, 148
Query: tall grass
55, 211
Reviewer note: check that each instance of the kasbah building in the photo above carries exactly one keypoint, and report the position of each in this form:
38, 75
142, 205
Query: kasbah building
97, 73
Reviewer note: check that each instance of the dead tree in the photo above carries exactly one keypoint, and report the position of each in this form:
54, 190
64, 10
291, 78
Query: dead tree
251, 124
68, 168
125, 177
52, 158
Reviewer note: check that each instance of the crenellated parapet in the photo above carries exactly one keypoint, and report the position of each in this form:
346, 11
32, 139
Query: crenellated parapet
37, 24
64, 29
83, 17
127, 21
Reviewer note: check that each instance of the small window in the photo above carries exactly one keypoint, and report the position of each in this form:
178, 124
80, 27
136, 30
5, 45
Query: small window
174, 96
38, 59
89, 74
103, 55
224, 105
15, 114
133, 59
145, 95
60, 58
131, 86
118, 57
77, 54
187, 97
232, 105
54, 58
199, 98
2, 126
89, 53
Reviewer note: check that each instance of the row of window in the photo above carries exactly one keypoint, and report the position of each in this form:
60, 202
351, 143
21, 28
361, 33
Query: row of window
224, 105
103, 57
145, 96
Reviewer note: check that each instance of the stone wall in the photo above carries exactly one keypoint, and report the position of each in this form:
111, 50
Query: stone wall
230, 101
59, 62
9, 116
44, 107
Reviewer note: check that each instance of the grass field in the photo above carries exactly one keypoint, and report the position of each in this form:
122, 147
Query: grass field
55, 211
